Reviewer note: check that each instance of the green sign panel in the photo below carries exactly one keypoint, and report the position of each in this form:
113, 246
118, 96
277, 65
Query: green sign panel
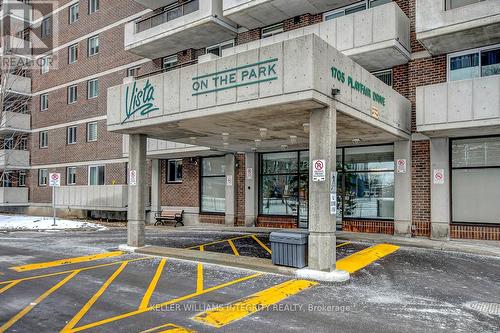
139, 100
235, 77
357, 86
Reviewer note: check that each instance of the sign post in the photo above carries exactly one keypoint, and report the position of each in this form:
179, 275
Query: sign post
54, 181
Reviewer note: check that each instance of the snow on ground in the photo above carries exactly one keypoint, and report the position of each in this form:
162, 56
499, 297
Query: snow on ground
22, 222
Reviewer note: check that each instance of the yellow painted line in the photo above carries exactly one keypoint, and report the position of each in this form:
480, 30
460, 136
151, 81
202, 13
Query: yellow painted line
68, 261
365, 257
170, 328
235, 251
10, 285
94, 299
27, 309
152, 285
199, 278
202, 248
164, 304
72, 270
225, 315
261, 244
220, 241
340, 245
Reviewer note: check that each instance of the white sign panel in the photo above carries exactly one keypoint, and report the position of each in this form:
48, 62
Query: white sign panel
54, 179
249, 173
229, 180
319, 172
438, 176
333, 194
401, 166
132, 177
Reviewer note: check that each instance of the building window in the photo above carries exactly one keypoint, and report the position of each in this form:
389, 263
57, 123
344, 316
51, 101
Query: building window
351, 9
71, 135
93, 6
475, 165
44, 102
272, 30
46, 29
73, 13
71, 176
474, 63
92, 132
45, 65
217, 49
93, 45
133, 72
92, 88
21, 182
96, 175
44, 139
174, 171
284, 184
73, 53
213, 185
8, 143
452, 4
384, 76
72, 94
43, 176
170, 62
23, 144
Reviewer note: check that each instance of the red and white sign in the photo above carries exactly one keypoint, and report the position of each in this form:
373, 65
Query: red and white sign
438, 176
54, 179
401, 166
229, 180
319, 171
132, 177
249, 173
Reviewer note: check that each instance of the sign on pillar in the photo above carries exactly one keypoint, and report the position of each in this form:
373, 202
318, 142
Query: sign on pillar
132, 178
438, 176
54, 181
401, 166
333, 194
319, 171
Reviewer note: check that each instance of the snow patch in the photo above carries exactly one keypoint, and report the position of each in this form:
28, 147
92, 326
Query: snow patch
22, 222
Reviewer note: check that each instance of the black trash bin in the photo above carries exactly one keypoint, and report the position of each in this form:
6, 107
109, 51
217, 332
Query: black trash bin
289, 248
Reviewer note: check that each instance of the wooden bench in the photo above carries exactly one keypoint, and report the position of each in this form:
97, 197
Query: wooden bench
169, 215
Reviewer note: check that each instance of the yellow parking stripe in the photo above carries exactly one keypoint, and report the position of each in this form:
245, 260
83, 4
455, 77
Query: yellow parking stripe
164, 304
10, 285
261, 244
68, 261
219, 241
199, 278
94, 299
235, 251
170, 328
363, 258
225, 315
343, 244
27, 309
152, 285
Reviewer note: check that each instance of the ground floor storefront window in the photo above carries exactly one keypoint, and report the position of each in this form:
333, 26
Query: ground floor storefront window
475, 182
365, 184
213, 185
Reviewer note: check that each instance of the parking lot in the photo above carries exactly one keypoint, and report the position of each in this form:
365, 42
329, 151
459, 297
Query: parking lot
72, 282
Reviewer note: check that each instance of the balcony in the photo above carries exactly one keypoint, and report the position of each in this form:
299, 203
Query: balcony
253, 14
17, 84
104, 197
467, 107
14, 122
15, 47
155, 4
15, 196
194, 24
377, 38
14, 159
443, 30
15, 16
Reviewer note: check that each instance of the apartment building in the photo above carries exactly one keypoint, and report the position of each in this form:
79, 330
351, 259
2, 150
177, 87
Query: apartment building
221, 98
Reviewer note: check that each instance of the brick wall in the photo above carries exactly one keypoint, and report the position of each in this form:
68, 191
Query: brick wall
276, 222
378, 227
421, 188
301, 21
185, 194
240, 190
475, 232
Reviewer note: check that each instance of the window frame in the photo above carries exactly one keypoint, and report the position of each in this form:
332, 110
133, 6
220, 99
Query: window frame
43, 174
72, 88
201, 177
384, 71
70, 49
168, 171
95, 8
43, 139
46, 27
278, 29
104, 173
22, 175
44, 98
89, 82
165, 60
97, 47
73, 16
220, 46
45, 67
477, 50
130, 71
68, 178
71, 133
92, 123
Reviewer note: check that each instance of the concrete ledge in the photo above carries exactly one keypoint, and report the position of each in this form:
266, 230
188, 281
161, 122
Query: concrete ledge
334, 276
256, 264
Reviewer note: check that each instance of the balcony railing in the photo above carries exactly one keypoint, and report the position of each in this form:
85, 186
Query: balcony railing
164, 70
169, 14
13, 195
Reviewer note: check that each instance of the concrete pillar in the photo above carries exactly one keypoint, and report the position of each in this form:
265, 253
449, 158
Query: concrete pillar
322, 146
230, 190
440, 192
402, 189
137, 191
251, 190
155, 189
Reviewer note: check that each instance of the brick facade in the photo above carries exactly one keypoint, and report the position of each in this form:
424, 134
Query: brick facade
186, 193
377, 227
421, 188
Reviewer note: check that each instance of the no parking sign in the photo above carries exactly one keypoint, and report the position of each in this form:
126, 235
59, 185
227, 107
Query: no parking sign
319, 172
54, 179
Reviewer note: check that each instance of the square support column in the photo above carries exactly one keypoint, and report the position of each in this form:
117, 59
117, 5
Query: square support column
440, 191
155, 189
402, 189
137, 192
251, 204
230, 190
322, 146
